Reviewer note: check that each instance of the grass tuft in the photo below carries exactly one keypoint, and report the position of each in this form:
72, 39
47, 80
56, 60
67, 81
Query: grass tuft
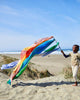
68, 72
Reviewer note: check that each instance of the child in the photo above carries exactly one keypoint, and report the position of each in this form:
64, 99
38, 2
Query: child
75, 57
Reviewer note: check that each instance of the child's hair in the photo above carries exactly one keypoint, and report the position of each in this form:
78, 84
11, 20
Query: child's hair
77, 47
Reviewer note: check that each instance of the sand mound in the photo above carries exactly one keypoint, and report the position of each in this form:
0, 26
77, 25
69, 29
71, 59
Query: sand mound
30, 73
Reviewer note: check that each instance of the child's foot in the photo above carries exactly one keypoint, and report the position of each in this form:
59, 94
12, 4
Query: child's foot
75, 84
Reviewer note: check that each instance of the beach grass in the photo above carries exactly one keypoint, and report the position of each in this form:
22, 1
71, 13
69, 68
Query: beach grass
67, 71
6, 60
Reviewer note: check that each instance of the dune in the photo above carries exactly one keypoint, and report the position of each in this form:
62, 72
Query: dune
49, 88
53, 63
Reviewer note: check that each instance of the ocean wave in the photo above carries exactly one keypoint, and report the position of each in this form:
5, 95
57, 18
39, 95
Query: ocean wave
66, 51
10, 52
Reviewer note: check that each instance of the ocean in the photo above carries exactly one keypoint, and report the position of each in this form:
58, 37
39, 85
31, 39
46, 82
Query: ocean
66, 51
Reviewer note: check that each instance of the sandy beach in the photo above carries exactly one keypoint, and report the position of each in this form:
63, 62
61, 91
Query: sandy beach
53, 63
50, 88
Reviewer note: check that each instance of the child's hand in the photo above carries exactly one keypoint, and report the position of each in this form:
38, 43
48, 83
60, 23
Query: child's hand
62, 52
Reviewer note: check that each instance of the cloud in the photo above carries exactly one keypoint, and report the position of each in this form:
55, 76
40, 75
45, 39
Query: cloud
28, 19
7, 10
78, 0
16, 42
70, 19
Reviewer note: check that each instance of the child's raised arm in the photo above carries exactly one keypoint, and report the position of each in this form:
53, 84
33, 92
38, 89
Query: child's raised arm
64, 54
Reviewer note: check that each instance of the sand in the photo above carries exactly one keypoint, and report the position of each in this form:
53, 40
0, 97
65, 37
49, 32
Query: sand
53, 63
50, 88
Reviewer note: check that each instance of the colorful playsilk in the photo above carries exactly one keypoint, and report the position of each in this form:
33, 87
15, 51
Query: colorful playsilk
10, 65
36, 51
28, 50
46, 53
27, 53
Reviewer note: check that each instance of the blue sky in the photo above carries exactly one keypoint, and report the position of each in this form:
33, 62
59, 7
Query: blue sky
24, 21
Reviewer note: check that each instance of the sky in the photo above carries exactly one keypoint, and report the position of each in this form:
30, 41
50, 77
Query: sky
22, 22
